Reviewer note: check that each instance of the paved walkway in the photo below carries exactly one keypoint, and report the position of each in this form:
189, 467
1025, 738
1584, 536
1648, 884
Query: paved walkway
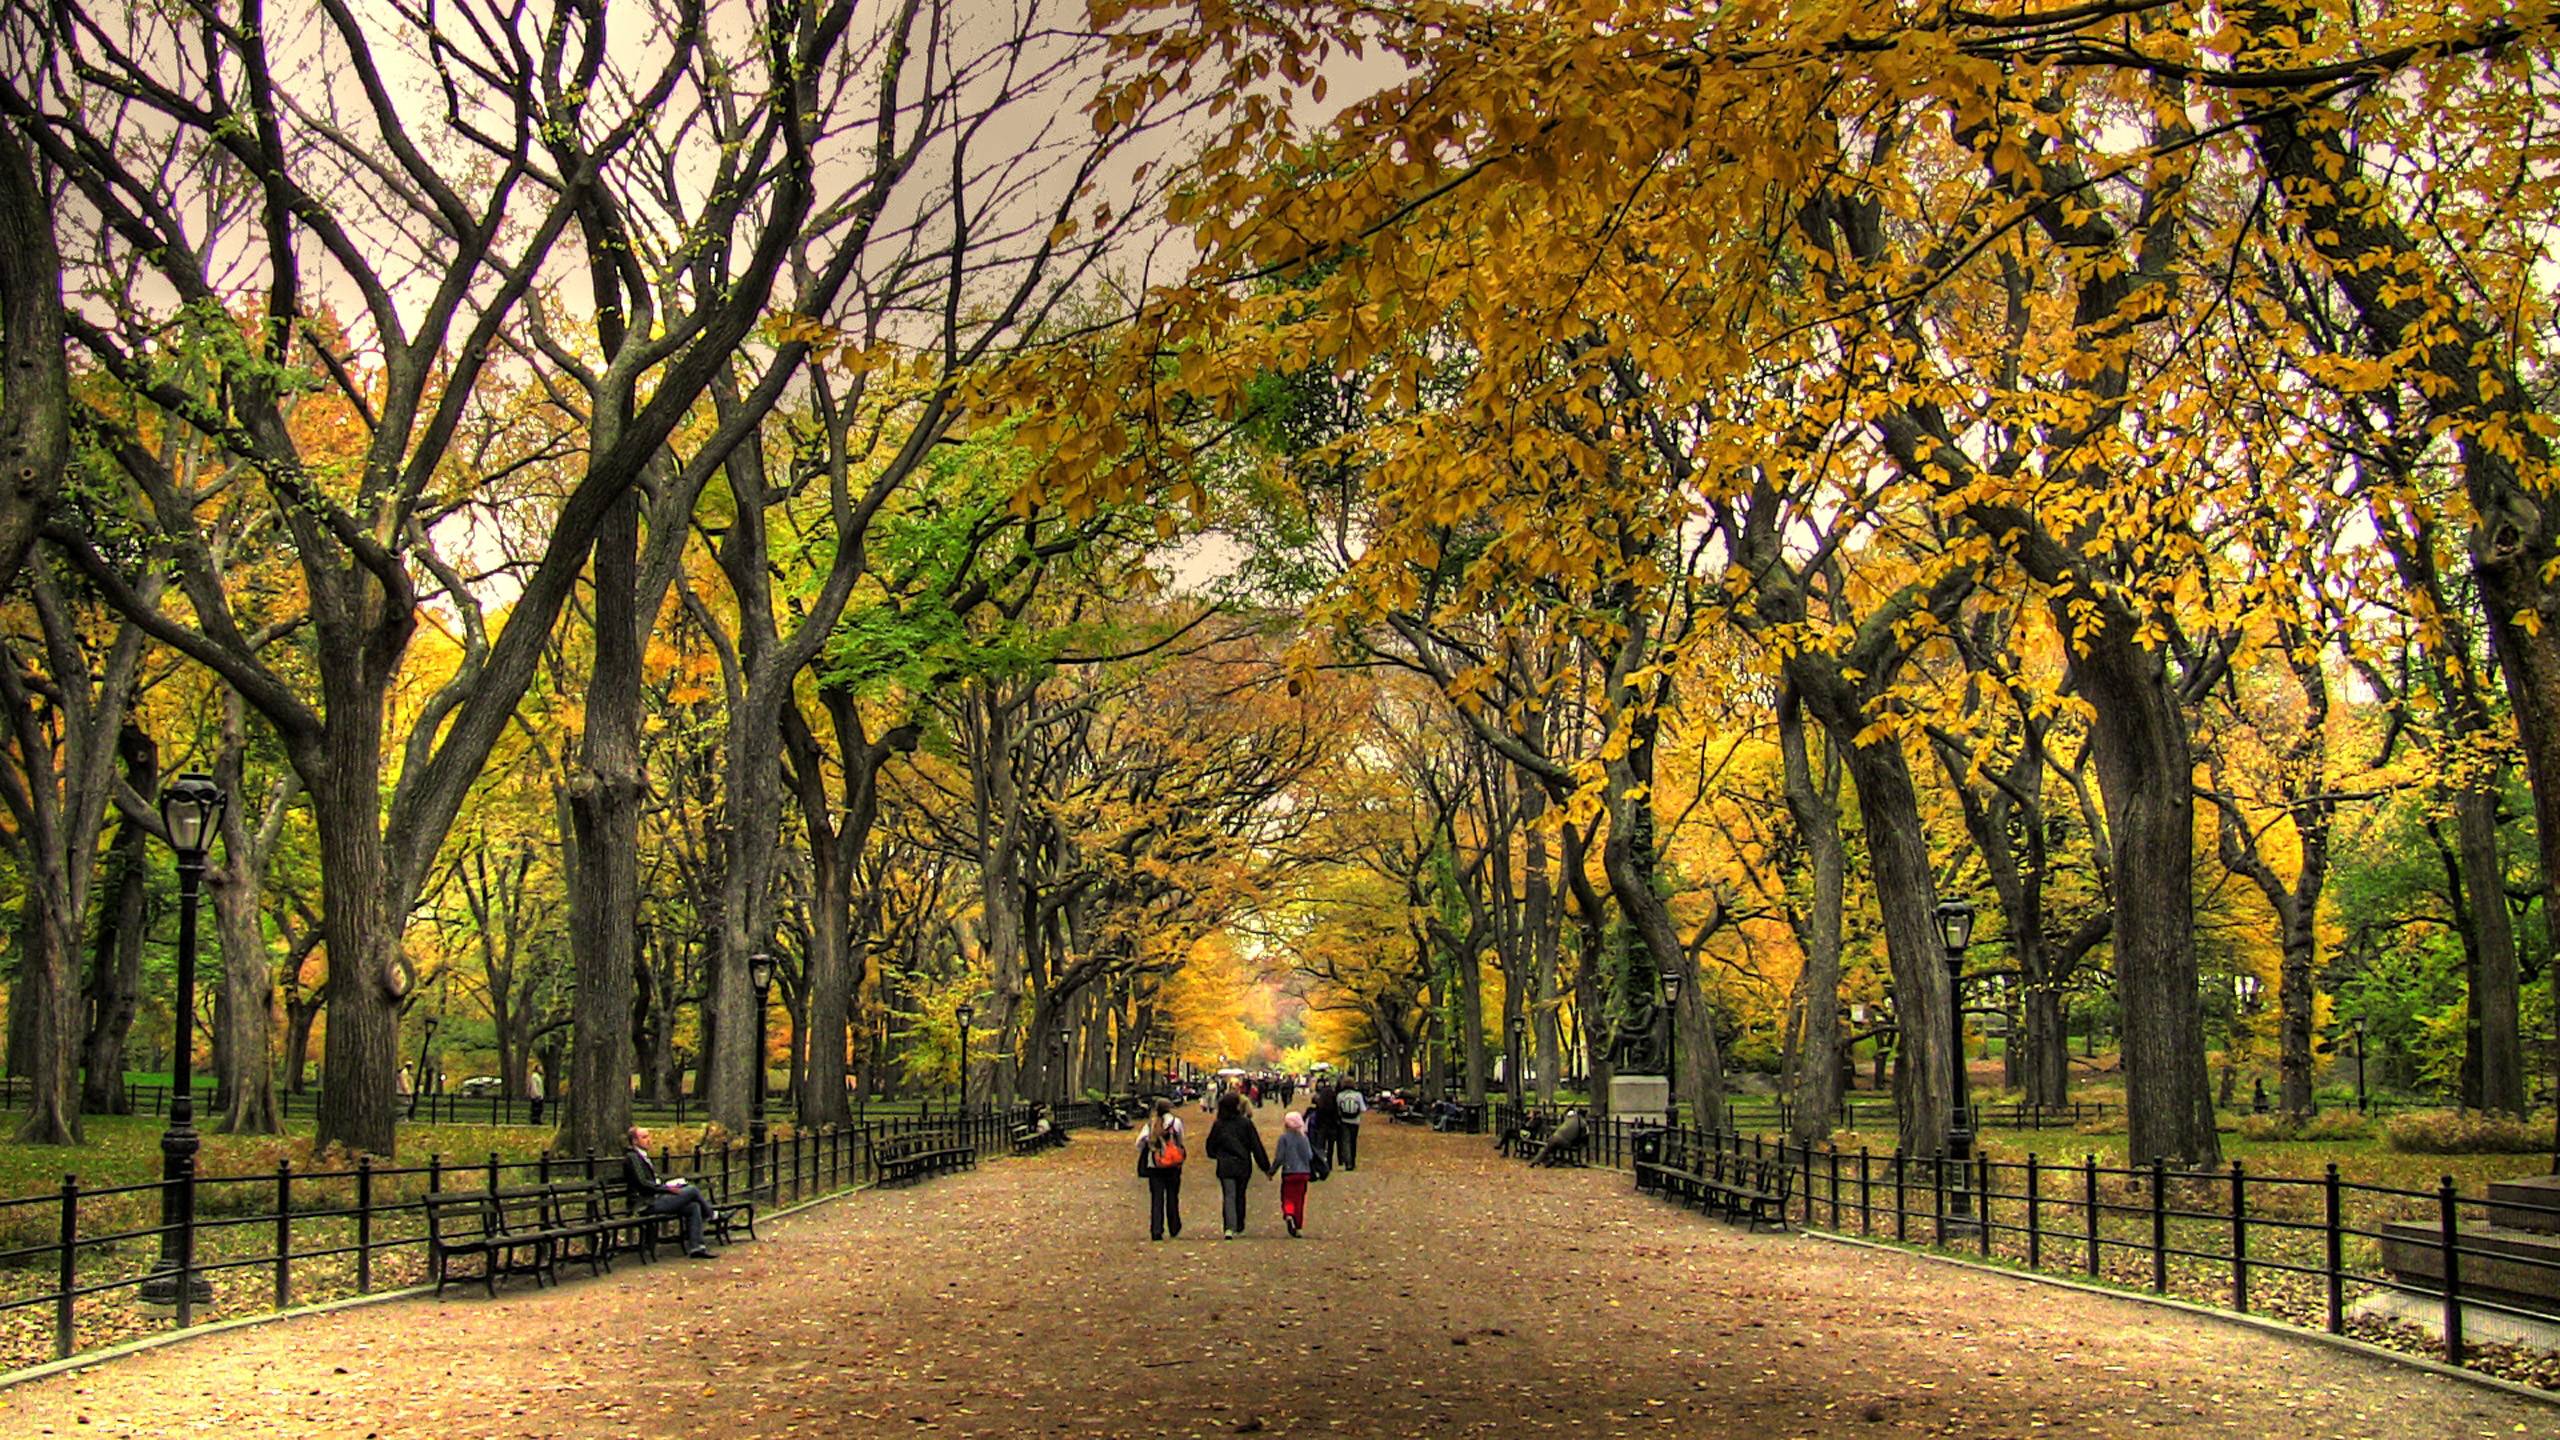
1439, 1291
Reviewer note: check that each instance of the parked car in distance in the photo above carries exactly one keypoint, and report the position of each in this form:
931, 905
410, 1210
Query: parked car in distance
481, 1085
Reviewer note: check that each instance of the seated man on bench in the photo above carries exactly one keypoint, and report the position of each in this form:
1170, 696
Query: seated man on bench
1520, 1138
665, 1197
1566, 1143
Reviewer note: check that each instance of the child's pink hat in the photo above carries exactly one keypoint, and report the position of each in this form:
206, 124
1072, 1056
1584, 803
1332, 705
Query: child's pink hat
1295, 1121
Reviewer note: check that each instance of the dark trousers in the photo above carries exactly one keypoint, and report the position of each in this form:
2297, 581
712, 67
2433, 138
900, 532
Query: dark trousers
694, 1206
1321, 1137
1164, 1203
1346, 1144
1232, 1189
535, 1104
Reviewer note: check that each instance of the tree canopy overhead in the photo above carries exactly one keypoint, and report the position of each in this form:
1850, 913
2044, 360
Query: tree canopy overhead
1436, 515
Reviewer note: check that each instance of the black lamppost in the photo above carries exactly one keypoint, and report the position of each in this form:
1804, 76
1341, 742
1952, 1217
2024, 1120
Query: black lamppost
1058, 1043
2246, 987
1674, 979
191, 812
1955, 929
418, 1085
965, 1014
760, 975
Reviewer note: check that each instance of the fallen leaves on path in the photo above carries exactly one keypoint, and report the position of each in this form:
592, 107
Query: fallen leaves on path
1440, 1290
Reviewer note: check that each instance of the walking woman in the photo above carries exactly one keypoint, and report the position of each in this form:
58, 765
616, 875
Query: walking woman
1237, 1148
1160, 1160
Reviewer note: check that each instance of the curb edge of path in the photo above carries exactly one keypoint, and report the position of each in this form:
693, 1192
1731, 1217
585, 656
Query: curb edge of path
87, 1358
2188, 1308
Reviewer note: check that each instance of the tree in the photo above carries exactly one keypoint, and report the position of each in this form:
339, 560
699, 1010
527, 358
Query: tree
311, 173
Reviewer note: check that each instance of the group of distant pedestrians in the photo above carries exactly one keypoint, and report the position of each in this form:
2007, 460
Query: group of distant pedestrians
1311, 1143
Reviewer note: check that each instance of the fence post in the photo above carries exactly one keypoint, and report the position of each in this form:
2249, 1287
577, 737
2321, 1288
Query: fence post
69, 1257
1938, 1195
494, 1186
2159, 1225
1866, 1196
284, 1232
2089, 1203
2239, 1239
1833, 1151
2035, 1217
2449, 1246
364, 1224
1901, 1220
1982, 1203
2329, 1217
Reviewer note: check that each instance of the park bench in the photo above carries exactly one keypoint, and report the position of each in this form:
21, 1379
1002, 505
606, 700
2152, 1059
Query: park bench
458, 1228
1028, 1138
1743, 1188
593, 1230
1756, 1192
1548, 1150
1678, 1170
651, 1228
1523, 1138
511, 1232
919, 1153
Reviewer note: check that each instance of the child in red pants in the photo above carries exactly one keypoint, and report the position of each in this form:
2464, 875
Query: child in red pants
1295, 1159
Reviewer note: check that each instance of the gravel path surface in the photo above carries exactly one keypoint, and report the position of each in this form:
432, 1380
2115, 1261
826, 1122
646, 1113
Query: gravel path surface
1439, 1291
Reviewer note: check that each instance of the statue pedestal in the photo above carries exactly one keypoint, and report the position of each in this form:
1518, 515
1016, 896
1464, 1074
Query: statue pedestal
1640, 1097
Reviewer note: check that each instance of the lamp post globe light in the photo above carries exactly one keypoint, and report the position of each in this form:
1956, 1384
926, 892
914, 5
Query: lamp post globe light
191, 814
1675, 978
1955, 931
965, 1014
760, 975
418, 1082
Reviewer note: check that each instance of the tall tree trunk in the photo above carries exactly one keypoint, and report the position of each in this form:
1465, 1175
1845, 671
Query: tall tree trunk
2492, 934
1544, 920
752, 823
2146, 780
2048, 1047
115, 976
1898, 852
1817, 822
246, 1018
35, 400
52, 1005
368, 976
1469, 1019
299, 1016
604, 798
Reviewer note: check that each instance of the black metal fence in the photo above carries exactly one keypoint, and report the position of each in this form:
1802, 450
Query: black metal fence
452, 1107
1879, 1113
2302, 1249
79, 1256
